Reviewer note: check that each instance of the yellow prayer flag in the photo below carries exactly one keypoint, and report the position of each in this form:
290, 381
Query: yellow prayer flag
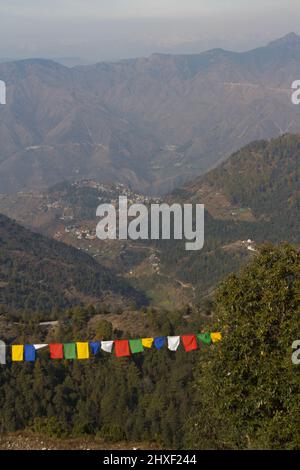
147, 342
215, 337
18, 352
83, 350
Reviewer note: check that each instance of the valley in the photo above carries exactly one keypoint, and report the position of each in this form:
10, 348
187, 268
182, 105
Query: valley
240, 214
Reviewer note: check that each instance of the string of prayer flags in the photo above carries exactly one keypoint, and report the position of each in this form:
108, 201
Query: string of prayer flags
70, 350
18, 352
136, 346
189, 342
122, 348
173, 342
56, 351
215, 337
95, 347
204, 338
83, 350
159, 342
147, 342
29, 352
107, 346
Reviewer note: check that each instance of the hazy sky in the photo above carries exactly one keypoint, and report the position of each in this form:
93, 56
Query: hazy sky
133, 8
111, 29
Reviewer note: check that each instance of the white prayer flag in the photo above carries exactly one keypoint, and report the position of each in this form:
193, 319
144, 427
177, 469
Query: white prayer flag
2, 353
173, 342
39, 346
107, 346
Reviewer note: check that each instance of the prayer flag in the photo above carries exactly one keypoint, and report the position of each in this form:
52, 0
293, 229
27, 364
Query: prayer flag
136, 345
83, 350
189, 342
215, 337
95, 347
147, 342
122, 347
17, 352
204, 338
39, 346
159, 342
70, 350
107, 346
2, 353
56, 351
173, 342
29, 353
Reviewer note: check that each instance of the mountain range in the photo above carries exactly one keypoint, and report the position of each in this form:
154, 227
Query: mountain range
150, 123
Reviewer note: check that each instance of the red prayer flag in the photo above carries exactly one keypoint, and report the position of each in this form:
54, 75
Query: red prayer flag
189, 342
56, 351
122, 347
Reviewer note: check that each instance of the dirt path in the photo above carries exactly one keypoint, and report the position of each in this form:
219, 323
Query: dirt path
29, 441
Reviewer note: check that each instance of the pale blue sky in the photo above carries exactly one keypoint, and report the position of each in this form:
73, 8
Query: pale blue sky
97, 30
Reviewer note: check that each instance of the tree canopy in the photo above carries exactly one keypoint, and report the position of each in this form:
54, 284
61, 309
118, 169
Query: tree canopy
248, 392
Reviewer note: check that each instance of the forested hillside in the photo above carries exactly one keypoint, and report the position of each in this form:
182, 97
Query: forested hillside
264, 176
254, 195
240, 393
40, 274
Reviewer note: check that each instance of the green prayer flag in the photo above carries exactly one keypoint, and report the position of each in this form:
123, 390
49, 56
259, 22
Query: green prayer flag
136, 345
70, 351
204, 338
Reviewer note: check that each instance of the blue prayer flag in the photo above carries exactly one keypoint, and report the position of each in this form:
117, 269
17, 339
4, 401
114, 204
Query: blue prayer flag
95, 347
29, 351
159, 342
